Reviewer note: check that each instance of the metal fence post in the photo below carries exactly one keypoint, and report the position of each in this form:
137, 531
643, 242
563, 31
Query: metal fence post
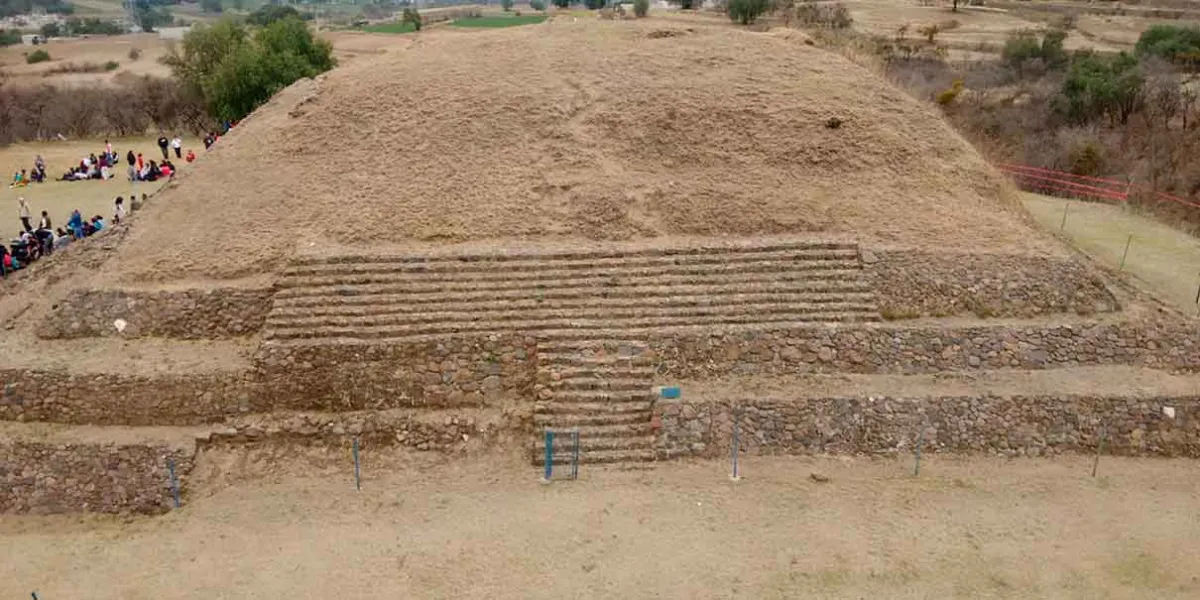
549, 468
174, 481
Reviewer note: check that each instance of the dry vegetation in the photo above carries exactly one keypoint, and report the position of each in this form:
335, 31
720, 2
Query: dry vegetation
580, 130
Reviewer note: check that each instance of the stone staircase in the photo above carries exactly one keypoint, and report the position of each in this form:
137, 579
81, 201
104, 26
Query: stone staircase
386, 298
600, 388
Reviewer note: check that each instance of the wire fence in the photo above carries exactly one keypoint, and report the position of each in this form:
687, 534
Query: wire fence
1121, 225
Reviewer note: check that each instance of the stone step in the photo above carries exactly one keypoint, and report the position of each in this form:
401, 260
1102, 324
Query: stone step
586, 313
694, 274
441, 265
395, 332
629, 371
563, 444
580, 304
642, 384
600, 431
597, 407
567, 290
581, 254
603, 456
566, 420
603, 396
653, 284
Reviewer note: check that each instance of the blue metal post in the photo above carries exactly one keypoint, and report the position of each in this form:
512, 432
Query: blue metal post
174, 480
357, 479
736, 416
575, 454
549, 454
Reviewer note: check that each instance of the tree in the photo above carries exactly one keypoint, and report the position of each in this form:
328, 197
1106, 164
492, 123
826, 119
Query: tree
269, 13
746, 11
562, 3
411, 15
51, 30
689, 4
1171, 42
211, 6
147, 16
238, 4
641, 8
506, 5
233, 72
1098, 86
538, 5
595, 4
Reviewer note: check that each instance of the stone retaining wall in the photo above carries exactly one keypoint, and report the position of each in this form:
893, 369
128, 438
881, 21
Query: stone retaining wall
1013, 425
61, 478
1172, 345
113, 399
189, 314
463, 371
910, 284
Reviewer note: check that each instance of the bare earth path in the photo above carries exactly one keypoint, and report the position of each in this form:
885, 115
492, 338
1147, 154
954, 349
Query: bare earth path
967, 528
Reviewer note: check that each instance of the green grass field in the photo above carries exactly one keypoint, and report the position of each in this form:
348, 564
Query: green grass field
492, 22
390, 27
1167, 259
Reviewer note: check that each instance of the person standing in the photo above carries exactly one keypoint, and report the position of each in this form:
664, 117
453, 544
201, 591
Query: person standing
119, 211
130, 158
163, 142
23, 211
177, 144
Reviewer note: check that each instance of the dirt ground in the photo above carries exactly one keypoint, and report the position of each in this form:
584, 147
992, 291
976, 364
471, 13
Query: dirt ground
656, 130
1165, 259
484, 528
99, 50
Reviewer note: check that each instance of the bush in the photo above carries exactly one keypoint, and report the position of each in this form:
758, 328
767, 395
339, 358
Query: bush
537, 5
234, 72
641, 8
506, 5
562, 3
746, 12
134, 54
270, 13
947, 97
411, 15
37, 56
1099, 86
51, 29
1171, 42
1021, 47
75, 26
10, 37
595, 4
832, 15
689, 4
111, 65
211, 6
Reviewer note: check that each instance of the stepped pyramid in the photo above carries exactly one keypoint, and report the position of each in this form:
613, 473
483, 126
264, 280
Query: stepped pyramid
391, 298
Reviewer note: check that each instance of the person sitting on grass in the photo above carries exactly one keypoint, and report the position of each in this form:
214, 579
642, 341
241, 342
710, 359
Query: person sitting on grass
61, 239
75, 224
18, 179
167, 169
97, 223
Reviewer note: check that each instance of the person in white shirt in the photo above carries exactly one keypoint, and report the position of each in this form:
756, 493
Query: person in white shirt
24, 214
177, 144
119, 211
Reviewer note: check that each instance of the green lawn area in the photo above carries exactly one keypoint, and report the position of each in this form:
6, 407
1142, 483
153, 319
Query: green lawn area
499, 21
391, 27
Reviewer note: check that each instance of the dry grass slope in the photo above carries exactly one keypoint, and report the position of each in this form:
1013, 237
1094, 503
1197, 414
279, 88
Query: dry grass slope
577, 130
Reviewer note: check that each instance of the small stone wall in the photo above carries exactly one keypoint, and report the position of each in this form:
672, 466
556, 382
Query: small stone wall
1172, 345
439, 431
1014, 426
65, 478
465, 371
113, 399
190, 314
911, 284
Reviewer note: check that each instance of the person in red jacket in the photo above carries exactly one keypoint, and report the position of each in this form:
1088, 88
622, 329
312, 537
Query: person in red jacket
191, 156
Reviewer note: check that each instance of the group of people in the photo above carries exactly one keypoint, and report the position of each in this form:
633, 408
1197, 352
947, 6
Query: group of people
32, 243
102, 166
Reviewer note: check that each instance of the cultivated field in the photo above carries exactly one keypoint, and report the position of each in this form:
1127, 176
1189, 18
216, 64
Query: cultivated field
292, 526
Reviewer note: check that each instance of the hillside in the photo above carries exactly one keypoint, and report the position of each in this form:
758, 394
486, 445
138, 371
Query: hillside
576, 130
